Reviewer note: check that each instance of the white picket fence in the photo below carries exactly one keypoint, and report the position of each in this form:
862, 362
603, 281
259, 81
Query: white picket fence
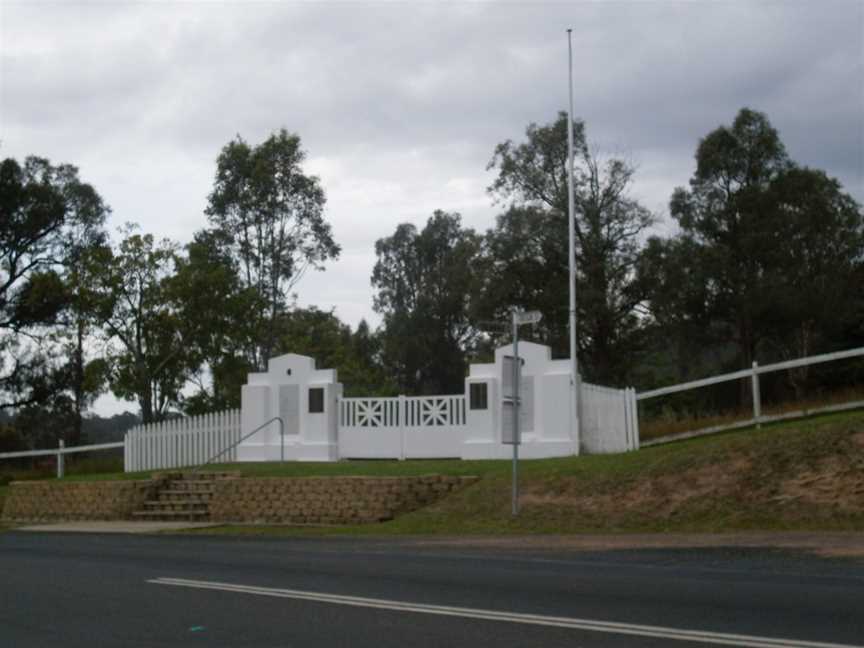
402, 427
182, 442
609, 421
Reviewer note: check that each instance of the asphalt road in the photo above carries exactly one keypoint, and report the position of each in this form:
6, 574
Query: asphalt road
108, 590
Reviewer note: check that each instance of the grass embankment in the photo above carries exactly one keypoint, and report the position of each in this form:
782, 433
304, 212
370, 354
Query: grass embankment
806, 475
802, 475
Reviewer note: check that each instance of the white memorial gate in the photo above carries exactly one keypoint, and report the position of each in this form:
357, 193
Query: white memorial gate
321, 425
306, 403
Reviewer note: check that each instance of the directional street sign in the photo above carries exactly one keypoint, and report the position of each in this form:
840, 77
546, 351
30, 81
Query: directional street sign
528, 317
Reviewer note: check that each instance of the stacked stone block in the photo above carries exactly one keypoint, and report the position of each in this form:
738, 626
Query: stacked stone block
39, 501
275, 500
327, 500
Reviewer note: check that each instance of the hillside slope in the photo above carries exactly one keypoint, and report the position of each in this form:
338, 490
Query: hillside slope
805, 476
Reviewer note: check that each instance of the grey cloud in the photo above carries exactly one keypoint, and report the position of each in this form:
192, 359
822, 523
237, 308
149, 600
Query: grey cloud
400, 105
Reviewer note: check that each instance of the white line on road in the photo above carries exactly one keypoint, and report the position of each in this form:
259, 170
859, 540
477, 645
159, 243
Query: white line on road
512, 617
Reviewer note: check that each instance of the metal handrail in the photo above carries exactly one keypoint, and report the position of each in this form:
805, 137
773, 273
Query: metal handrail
246, 436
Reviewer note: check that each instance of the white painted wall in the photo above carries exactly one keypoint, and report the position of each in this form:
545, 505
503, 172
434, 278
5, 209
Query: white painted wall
545, 419
283, 390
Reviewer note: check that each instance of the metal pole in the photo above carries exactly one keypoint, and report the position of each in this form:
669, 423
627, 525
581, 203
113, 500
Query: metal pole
282, 440
515, 495
571, 231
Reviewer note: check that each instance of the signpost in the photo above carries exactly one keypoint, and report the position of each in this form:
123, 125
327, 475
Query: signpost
518, 319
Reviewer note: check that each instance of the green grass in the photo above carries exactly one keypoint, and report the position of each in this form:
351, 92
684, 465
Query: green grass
741, 480
726, 482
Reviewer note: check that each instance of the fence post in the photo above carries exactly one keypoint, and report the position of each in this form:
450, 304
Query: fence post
402, 419
60, 458
757, 396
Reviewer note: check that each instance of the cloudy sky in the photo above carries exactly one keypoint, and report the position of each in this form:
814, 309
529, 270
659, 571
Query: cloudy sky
400, 105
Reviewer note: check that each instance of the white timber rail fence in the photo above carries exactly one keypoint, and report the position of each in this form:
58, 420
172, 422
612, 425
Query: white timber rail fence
60, 453
753, 374
402, 427
182, 442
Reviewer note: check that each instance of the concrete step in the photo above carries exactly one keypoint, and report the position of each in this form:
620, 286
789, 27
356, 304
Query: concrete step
210, 475
197, 485
192, 516
184, 494
175, 506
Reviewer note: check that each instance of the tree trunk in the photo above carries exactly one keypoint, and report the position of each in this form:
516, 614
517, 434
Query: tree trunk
78, 386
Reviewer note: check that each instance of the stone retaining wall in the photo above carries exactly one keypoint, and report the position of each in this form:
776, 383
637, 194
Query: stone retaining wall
37, 501
327, 500
274, 500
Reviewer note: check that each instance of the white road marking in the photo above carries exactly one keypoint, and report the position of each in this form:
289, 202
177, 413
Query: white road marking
718, 638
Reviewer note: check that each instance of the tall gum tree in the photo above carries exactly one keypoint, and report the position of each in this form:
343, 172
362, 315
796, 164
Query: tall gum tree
776, 246
272, 215
426, 282
532, 177
151, 354
44, 211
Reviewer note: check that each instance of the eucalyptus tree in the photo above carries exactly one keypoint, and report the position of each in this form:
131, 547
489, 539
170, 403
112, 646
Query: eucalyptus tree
777, 244
426, 283
217, 312
46, 215
271, 215
150, 342
532, 176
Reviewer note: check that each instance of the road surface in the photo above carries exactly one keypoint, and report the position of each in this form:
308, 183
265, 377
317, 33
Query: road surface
90, 590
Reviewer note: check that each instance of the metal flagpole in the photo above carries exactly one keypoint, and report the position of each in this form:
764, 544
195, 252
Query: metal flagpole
516, 435
574, 380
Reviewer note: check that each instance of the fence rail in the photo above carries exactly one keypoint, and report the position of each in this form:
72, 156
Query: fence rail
756, 369
182, 442
60, 451
753, 374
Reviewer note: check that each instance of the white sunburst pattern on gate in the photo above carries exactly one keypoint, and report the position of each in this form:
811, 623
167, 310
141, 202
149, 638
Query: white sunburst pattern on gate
411, 411
369, 412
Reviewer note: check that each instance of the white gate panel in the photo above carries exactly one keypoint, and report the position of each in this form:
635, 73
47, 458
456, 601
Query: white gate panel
434, 426
402, 427
607, 421
369, 428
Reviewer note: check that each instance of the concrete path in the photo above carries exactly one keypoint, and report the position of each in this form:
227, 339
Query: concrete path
121, 526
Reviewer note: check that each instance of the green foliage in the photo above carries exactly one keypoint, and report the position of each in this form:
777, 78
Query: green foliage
427, 282
271, 217
528, 267
151, 358
608, 224
42, 206
218, 313
769, 258
321, 335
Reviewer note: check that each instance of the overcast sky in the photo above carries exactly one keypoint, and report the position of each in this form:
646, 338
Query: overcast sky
400, 105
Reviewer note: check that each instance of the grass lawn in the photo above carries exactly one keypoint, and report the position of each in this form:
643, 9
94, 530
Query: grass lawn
801, 475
